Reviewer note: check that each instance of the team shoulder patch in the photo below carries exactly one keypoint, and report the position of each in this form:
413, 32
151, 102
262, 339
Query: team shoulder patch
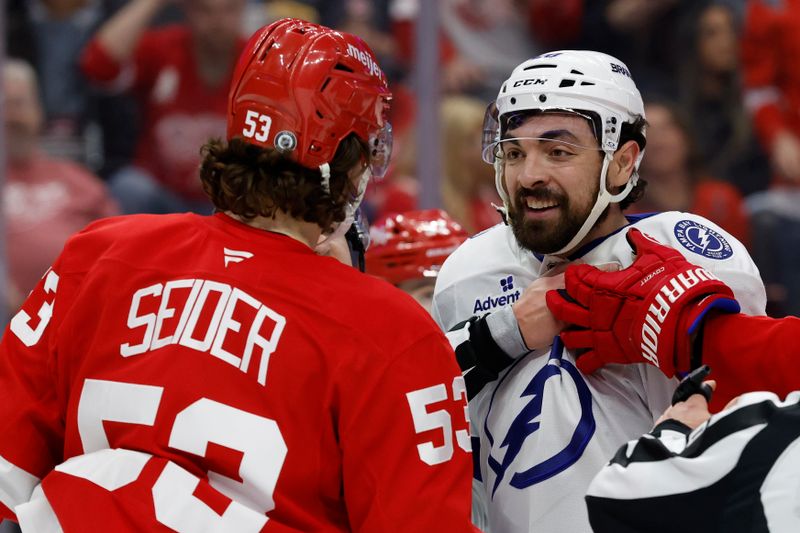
702, 240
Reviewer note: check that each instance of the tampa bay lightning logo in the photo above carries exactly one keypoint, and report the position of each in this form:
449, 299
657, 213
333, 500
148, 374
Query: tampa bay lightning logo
527, 422
702, 240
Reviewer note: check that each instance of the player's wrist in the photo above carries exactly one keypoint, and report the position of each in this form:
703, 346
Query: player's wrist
689, 333
505, 330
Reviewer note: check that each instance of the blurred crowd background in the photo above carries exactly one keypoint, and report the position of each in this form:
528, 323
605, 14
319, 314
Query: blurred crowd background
108, 101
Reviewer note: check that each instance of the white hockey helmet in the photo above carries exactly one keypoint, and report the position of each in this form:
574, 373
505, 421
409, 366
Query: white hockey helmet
576, 81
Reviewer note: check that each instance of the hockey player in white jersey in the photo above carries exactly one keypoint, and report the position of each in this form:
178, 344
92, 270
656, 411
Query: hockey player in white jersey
566, 136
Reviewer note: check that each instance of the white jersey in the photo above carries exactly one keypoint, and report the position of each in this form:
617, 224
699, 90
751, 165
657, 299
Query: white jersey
542, 429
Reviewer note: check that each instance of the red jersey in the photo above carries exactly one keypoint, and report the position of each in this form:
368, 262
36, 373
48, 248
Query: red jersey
172, 372
721, 202
179, 110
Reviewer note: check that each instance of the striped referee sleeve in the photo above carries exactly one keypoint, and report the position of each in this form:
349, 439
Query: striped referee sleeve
737, 473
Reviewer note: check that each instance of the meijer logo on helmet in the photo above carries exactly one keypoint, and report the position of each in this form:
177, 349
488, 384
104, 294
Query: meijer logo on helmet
365, 59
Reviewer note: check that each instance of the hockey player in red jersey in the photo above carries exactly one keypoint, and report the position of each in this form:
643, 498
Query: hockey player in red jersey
192, 373
665, 311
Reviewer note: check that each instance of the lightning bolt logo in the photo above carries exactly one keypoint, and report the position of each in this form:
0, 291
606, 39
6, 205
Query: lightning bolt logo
523, 426
527, 422
704, 238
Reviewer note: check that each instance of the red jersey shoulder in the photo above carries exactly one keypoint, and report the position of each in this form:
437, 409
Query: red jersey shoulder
134, 232
257, 262
381, 308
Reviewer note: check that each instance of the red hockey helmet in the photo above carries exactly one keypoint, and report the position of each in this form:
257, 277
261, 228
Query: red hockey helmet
301, 88
412, 245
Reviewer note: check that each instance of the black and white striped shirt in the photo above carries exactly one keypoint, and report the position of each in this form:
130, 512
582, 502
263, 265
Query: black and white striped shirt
739, 472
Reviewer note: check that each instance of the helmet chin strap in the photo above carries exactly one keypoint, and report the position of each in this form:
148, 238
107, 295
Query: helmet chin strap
604, 198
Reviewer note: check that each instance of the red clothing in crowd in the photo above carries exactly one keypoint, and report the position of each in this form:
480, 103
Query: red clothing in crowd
45, 201
721, 202
770, 42
714, 199
179, 111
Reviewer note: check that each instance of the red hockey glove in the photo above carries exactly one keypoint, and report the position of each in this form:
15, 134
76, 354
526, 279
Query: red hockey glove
644, 313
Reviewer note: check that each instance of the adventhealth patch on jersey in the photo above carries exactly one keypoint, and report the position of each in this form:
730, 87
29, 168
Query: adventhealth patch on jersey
702, 240
492, 302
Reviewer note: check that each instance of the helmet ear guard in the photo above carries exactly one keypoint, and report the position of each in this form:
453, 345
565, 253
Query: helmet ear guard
593, 85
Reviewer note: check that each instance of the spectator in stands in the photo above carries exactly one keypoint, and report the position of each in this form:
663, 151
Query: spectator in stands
369, 19
45, 199
770, 40
180, 76
78, 124
644, 34
482, 40
467, 184
676, 176
709, 91
468, 188
258, 13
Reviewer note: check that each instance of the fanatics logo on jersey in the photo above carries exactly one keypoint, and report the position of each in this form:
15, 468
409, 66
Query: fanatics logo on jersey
235, 256
702, 240
493, 302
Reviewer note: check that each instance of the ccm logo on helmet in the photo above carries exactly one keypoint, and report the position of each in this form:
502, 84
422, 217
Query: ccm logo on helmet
530, 81
658, 311
619, 69
365, 59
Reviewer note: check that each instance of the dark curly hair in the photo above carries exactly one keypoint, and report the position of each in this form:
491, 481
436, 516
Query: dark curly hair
251, 181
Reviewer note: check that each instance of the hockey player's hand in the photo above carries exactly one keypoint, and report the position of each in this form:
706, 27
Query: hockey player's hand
693, 411
535, 321
644, 313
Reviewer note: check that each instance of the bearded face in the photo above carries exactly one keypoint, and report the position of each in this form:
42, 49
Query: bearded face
552, 168
545, 235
